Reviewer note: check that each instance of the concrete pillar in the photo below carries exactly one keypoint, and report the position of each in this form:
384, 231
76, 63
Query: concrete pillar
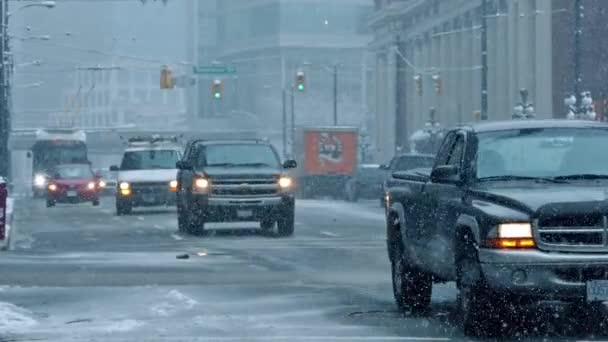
474, 37
524, 60
493, 68
436, 59
513, 15
466, 60
428, 96
443, 109
391, 72
544, 67
410, 89
502, 64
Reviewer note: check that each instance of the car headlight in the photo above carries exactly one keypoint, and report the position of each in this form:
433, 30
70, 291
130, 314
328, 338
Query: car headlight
102, 184
52, 187
39, 180
511, 235
124, 186
201, 183
285, 182
173, 185
91, 185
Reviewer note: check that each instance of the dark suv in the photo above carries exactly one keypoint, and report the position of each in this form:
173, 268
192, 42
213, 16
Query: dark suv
230, 181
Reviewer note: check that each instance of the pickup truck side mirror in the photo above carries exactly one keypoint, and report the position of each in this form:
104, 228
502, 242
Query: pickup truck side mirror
29, 154
384, 167
114, 168
184, 165
445, 174
290, 164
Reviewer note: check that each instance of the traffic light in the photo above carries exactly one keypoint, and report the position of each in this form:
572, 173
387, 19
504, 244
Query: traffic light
300, 81
166, 78
438, 84
418, 80
217, 90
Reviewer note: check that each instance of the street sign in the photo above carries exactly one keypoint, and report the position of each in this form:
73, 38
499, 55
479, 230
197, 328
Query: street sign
214, 69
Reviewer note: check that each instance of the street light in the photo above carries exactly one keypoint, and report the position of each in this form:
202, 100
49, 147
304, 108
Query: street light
46, 4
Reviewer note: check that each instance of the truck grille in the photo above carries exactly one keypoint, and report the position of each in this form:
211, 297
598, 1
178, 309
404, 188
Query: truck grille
244, 187
573, 233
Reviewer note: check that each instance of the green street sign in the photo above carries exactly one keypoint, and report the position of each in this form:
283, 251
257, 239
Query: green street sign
214, 69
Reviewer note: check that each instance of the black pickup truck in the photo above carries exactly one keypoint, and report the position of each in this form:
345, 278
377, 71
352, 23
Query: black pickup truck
514, 212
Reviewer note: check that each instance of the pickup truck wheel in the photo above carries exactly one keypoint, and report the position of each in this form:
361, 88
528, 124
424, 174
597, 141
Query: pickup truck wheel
480, 308
412, 288
181, 220
50, 203
196, 222
285, 224
267, 224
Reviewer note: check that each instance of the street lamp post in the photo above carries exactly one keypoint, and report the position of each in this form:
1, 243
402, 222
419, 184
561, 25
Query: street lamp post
5, 74
524, 109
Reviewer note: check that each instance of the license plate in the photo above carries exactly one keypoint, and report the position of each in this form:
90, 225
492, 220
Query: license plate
244, 213
72, 194
597, 291
149, 198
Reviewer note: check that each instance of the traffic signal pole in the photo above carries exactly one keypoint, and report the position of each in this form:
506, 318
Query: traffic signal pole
335, 95
4, 108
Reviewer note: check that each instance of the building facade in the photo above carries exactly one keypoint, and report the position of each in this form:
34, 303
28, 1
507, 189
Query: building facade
269, 41
428, 54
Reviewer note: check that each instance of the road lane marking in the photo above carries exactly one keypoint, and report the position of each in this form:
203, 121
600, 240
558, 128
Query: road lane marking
177, 237
330, 234
158, 226
141, 218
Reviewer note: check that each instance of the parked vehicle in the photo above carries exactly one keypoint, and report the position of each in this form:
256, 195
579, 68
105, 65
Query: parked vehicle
72, 183
366, 183
327, 159
513, 212
231, 181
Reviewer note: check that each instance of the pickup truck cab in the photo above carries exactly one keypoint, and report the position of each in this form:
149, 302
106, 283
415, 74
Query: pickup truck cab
514, 212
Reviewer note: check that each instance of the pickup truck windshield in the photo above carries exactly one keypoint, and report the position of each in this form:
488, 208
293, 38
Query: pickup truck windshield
547, 152
149, 159
236, 155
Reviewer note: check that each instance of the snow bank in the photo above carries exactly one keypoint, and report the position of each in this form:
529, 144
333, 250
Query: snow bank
173, 302
14, 319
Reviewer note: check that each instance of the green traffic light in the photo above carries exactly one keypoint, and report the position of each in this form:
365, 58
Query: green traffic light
300, 87
218, 95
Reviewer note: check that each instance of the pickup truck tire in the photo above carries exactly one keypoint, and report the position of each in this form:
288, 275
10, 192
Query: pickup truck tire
50, 203
286, 224
412, 288
123, 209
182, 223
196, 222
267, 224
481, 309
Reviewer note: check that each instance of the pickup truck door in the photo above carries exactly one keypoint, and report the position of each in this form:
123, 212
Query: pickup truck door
444, 201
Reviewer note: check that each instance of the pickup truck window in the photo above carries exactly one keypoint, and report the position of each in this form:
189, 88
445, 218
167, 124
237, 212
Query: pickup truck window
444, 151
455, 155
254, 155
150, 159
548, 152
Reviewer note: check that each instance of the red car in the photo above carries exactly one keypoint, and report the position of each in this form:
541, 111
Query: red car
72, 183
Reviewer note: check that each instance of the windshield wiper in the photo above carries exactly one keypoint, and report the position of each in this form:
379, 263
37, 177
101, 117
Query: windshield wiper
582, 176
514, 177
